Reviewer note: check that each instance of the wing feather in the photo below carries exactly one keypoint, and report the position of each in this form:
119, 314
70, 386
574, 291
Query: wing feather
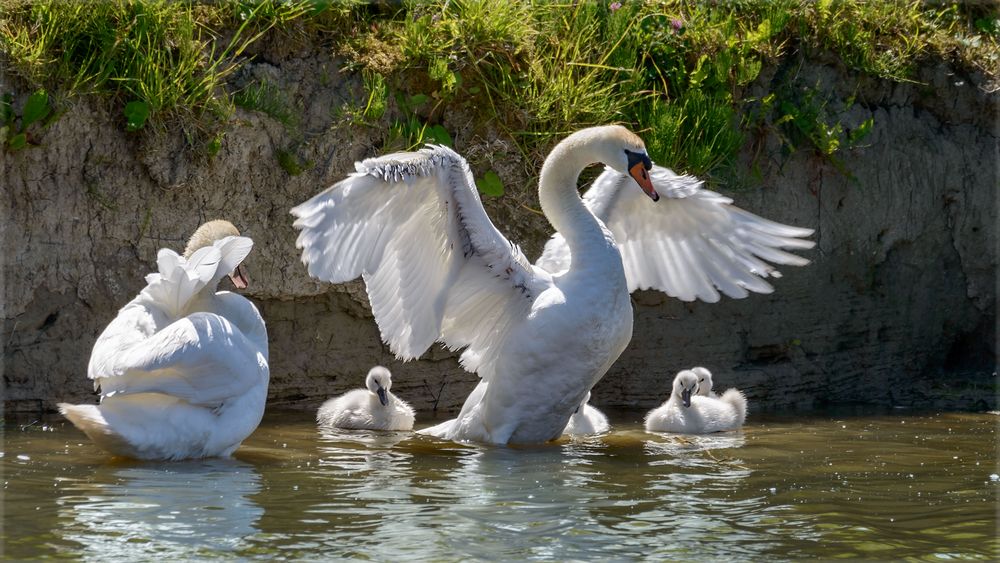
692, 244
413, 227
202, 358
178, 280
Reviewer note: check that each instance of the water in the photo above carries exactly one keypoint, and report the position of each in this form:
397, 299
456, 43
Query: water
860, 486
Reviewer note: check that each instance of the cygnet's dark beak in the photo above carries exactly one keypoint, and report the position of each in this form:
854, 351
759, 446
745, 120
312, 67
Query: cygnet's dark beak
239, 278
382, 397
686, 397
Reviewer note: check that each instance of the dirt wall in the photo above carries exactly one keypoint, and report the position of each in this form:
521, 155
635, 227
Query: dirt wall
898, 306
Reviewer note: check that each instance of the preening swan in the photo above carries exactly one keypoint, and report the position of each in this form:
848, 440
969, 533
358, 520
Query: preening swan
374, 408
539, 336
686, 412
182, 369
587, 420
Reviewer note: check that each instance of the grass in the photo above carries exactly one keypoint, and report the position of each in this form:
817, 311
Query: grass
165, 58
266, 98
678, 71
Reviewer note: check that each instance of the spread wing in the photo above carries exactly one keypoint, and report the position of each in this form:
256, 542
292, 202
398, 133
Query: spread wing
435, 267
692, 244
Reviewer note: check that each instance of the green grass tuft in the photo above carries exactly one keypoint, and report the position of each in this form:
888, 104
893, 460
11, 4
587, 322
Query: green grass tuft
680, 71
164, 55
268, 99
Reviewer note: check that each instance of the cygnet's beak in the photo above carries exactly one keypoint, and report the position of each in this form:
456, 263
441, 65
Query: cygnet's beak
239, 278
686, 397
382, 397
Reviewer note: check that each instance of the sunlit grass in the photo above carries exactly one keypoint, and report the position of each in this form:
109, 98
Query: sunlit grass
163, 54
679, 71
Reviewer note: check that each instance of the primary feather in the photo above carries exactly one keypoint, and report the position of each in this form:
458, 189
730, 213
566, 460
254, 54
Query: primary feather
692, 245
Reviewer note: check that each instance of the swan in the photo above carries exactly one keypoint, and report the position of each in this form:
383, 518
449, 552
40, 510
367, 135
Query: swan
688, 413
587, 420
374, 408
704, 382
183, 369
539, 336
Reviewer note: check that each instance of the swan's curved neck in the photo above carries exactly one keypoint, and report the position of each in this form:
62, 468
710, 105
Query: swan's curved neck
561, 202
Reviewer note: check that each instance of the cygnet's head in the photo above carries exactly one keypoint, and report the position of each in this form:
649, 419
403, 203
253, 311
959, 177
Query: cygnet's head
379, 381
207, 234
586, 399
704, 380
618, 148
685, 385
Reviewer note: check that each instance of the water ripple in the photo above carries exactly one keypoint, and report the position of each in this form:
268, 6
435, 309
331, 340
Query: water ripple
829, 487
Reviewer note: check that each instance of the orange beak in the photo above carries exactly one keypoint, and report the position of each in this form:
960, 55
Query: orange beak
639, 173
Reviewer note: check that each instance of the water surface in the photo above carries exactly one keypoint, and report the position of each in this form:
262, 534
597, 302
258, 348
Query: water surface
832, 486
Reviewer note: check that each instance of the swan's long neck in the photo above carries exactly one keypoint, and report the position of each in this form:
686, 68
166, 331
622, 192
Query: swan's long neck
561, 202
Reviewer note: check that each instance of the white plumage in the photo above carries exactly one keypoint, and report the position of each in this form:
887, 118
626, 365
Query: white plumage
587, 420
373, 408
704, 382
539, 336
691, 245
687, 413
183, 369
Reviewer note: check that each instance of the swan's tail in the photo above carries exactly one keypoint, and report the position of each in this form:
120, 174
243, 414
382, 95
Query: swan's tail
91, 421
442, 430
736, 398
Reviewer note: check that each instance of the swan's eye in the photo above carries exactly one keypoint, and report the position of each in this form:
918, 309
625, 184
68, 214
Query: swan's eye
638, 157
702, 380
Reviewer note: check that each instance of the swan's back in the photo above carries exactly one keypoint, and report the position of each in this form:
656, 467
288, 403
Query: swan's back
738, 400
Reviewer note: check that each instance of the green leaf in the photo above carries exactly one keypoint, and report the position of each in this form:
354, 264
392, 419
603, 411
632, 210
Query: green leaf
136, 112
989, 26
490, 184
18, 141
320, 6
35, 109
439, 135
418, 100
700, 72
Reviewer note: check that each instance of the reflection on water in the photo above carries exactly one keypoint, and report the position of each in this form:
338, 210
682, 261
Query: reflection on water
168, 510
868, 487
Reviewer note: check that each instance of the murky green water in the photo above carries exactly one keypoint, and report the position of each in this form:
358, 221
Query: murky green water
869, 487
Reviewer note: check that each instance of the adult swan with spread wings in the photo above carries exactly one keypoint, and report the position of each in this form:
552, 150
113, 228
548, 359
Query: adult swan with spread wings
539, 336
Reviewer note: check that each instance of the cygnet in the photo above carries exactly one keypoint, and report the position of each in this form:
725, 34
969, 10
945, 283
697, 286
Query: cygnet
587, 420
374, 408
685, 412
